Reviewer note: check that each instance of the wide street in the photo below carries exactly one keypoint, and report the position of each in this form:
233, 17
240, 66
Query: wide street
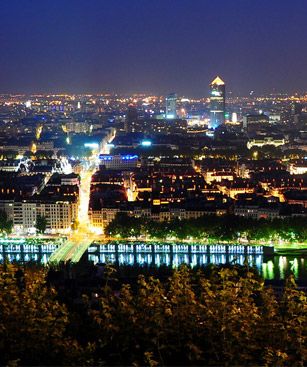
80, 239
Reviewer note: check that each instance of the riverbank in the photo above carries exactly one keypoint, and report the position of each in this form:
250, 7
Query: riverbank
302, 252
284, 248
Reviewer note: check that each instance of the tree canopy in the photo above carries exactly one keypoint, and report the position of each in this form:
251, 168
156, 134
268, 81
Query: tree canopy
210, 227
6, 225
41, 224
225, 317
33, 324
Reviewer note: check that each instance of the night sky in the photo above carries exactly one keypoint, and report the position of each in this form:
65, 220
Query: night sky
154, 46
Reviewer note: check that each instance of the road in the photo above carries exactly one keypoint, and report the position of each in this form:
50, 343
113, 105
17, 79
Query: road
80, 239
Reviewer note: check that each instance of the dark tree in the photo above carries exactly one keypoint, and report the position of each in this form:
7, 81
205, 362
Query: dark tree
41, 224
6, 225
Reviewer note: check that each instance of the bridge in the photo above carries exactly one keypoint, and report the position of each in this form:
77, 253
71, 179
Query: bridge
127, 252
157, 253
70, 251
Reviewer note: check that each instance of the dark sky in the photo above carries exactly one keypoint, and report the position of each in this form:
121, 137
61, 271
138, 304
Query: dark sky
152, 45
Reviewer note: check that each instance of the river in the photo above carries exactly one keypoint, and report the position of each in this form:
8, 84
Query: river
270, 267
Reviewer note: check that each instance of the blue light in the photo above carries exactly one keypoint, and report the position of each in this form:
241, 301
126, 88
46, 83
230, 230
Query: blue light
129, 156
123, 157
105, 157
146, 143
91, 145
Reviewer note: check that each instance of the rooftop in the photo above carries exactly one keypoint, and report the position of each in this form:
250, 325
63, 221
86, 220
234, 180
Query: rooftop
217, 81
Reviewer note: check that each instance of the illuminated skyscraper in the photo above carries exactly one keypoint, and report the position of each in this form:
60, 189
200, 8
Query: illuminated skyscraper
170, 106
217, 103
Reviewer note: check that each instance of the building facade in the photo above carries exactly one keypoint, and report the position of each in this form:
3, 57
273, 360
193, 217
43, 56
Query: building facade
59, 214
119, 162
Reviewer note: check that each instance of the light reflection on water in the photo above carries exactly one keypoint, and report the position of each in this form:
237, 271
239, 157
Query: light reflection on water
176, 259
274, 268
280, 266
27, 257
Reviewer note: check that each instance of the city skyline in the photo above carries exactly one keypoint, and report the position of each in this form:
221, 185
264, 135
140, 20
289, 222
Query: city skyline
153, 182
152, 48
145, 94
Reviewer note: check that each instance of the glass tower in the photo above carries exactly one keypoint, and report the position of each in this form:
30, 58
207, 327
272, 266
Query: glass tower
170, 106
217, 103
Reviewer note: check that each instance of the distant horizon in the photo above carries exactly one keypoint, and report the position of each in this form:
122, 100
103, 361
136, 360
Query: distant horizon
153, 94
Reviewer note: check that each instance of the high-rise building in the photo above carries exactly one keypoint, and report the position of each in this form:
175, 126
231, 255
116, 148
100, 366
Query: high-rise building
170, 106
131, 119
217, 103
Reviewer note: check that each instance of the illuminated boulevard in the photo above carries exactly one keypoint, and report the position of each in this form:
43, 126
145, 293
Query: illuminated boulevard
80, 239
77, 243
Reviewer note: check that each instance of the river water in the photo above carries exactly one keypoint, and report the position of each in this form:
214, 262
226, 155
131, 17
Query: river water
271, 268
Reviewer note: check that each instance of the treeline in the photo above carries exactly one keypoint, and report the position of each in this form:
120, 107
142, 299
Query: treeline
227, 317
39, 154
6, 224
211, 228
